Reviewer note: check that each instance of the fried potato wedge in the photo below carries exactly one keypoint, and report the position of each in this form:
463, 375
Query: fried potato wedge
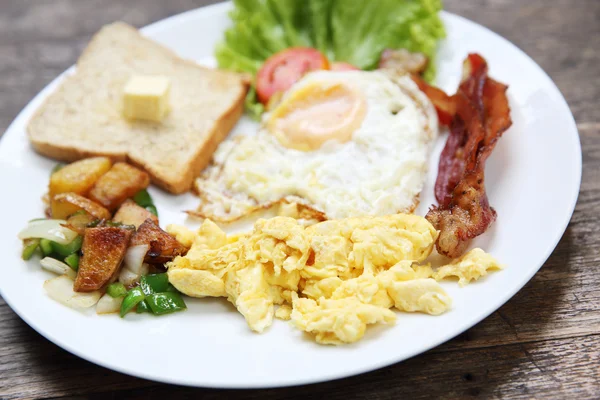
163, 246
131, 214
121, 182
78, 177
103, 251
79, 222
64, 205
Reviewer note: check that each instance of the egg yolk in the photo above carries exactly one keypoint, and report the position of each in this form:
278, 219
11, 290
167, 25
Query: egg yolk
314, 114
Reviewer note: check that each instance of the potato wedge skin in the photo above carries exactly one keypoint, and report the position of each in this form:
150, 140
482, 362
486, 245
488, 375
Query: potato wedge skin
131, 214
121, 182
163, 246
80, 222
66, 204
103, 251
79, 177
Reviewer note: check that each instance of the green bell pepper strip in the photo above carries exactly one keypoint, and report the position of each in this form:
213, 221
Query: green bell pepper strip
116, 289
68, 249
171, 288
79, 212
93, 224
143, 199
132, 299
154, 283
165, 303
29, 248
118, 225
56, 168
72, 260
152, 209
142, 307
46, 246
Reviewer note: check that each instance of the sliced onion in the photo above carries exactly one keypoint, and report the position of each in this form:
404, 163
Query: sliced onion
51, 229
61, 290
58, 267
145, 269
108, 304
134, 258
134, 266
128, 278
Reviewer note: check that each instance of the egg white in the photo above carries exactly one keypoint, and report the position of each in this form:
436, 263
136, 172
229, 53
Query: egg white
380, 171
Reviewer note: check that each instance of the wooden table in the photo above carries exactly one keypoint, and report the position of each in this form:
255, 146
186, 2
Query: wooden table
544, 343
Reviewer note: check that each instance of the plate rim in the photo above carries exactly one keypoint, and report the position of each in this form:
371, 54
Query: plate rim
154, 28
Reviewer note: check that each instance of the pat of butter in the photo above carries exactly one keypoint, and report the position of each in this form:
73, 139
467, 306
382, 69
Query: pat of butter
146, 97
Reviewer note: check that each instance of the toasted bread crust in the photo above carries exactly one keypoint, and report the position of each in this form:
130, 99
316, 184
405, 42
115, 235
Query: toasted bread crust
183, 178
70, 154
203, 156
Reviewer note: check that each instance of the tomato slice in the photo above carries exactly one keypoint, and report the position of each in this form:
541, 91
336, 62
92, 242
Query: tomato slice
343, 66
283, 69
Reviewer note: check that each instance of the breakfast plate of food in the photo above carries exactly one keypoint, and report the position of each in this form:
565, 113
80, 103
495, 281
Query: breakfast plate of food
282, 193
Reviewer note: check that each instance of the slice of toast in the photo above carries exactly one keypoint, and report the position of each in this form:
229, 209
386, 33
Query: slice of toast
83, 117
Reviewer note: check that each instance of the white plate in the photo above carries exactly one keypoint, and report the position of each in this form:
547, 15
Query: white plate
533, 180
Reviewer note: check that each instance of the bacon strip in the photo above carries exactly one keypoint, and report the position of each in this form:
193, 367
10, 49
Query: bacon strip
444, 105
479, 115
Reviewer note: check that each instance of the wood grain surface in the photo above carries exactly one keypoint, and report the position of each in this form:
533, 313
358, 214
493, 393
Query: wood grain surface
544, 343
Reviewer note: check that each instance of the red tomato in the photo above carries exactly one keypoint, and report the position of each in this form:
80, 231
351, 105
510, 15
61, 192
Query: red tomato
283, 69
343, 66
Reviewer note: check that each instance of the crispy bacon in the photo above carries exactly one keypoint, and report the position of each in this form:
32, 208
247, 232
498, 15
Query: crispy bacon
444, 104
479, 115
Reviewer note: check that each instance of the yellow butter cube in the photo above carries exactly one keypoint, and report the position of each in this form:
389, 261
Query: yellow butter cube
146, 97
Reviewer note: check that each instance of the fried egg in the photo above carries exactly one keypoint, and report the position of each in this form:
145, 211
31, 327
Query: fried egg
352, 143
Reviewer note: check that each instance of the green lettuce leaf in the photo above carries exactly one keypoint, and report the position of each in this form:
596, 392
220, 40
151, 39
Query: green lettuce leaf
354, 31
320, 26
253, 107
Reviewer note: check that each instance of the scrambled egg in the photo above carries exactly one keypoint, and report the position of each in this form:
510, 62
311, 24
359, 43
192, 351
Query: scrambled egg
470, 267
331, 279
335, 321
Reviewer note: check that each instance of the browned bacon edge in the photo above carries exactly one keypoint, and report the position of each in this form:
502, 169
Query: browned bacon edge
477, 115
